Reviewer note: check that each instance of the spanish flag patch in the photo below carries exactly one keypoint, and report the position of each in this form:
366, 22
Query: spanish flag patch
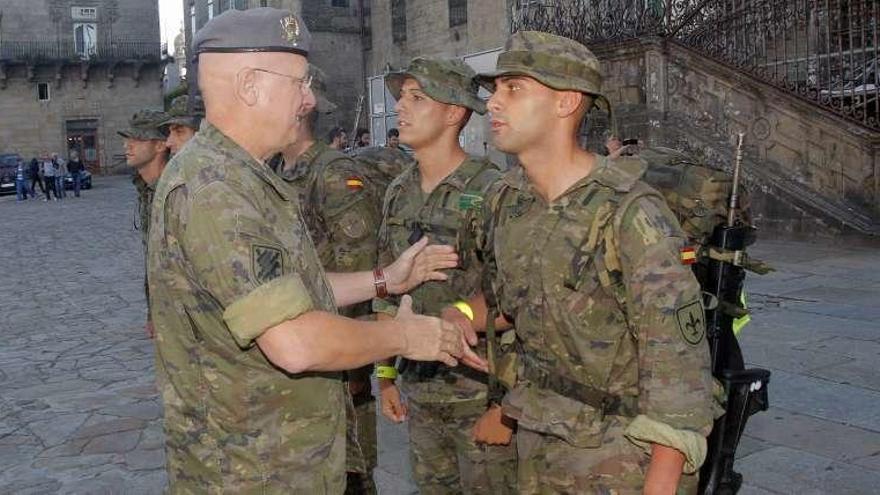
354, 183
688, 255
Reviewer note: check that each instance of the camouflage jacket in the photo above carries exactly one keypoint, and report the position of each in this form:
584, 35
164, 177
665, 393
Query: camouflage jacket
609, 306
450, 214
342, 209
142, 222
382, 165
230, 257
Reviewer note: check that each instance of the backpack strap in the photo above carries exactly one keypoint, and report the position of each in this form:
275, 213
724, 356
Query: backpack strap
608, 261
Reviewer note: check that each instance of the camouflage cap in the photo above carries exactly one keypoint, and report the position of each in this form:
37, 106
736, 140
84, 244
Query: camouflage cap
180, 112
319, 88
262, 29
555, 61
449, 81
560, 63
146, 125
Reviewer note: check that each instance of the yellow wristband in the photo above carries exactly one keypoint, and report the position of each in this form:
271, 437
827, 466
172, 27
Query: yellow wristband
465, 308
389, 372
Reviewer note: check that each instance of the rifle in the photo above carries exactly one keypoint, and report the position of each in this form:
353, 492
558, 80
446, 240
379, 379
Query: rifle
745, 389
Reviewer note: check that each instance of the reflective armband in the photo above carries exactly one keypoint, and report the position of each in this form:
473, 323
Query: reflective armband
465, 308
389, 372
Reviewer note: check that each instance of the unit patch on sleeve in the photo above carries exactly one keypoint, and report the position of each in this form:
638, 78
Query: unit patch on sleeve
691, 322
268, 263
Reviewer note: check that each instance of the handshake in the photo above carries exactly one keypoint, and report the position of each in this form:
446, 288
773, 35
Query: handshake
434, 339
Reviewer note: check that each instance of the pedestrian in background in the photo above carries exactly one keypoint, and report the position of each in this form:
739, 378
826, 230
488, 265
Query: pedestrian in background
21, 188
337, 139
49, 177
363, 138
75, 168
35, 178
60, 174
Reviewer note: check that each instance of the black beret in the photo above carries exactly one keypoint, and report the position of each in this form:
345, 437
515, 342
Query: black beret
262, 29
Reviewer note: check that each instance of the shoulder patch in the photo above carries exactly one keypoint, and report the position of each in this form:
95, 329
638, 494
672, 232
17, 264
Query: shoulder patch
470, 201
267, 263
691, 322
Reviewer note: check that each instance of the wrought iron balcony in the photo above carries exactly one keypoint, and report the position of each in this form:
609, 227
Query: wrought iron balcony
44, 51
824, 51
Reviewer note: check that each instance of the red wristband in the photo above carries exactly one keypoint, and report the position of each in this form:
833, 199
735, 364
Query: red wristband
379, 283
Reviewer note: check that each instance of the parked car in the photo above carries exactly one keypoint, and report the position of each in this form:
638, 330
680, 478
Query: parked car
85, 181
8, 164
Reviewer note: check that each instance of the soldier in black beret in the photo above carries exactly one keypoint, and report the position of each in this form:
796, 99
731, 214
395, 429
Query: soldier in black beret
249, 341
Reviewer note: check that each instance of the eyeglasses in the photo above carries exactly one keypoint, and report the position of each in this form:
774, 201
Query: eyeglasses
304, 83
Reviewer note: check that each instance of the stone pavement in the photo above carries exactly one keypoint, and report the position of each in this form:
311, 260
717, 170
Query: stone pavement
79, 412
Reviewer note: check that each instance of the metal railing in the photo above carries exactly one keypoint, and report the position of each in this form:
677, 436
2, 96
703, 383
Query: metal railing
824, 51
66, 50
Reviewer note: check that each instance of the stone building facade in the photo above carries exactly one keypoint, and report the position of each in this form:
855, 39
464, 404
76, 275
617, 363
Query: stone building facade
401, 30
809, 168
72, 72
337, 30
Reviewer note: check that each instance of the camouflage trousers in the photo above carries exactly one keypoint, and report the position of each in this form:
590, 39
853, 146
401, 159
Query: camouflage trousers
550, 465
444, 458
361, 451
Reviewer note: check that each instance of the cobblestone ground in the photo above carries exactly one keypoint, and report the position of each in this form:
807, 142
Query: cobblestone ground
79, 412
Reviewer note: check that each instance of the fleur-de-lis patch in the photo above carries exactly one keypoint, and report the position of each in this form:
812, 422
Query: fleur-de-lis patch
691, 322
290, 27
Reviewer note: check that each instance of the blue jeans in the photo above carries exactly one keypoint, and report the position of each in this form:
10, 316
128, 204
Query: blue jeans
21, 189
77, 182
59, 187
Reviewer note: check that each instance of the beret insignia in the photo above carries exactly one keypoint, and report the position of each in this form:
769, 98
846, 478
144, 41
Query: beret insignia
290, 26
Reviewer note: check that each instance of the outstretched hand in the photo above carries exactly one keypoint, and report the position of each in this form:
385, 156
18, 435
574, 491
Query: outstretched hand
418, 264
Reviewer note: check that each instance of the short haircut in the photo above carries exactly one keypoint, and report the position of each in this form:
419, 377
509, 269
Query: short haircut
335, 133
393, 132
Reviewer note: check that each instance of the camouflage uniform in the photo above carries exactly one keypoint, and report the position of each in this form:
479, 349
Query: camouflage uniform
182, 113
230, 256
342, 211
609, 321
382, 164
445, 404
145, 125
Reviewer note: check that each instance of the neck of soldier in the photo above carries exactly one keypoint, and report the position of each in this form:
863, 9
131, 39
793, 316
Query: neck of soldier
251, 138
296, 150
151, 172
555, 163
439, 158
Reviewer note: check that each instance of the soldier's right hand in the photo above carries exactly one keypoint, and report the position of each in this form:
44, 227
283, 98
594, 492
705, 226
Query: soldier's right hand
432, 339
393, 407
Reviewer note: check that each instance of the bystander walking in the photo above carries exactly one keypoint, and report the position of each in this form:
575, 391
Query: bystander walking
75, 168
49, 173
35, 173
60, 173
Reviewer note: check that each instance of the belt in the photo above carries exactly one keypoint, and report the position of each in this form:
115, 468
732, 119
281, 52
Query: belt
606, 403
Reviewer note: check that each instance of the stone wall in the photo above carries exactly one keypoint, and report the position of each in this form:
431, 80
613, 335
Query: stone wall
428, 32
100, 90
133, 20
30, 127
808, 168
